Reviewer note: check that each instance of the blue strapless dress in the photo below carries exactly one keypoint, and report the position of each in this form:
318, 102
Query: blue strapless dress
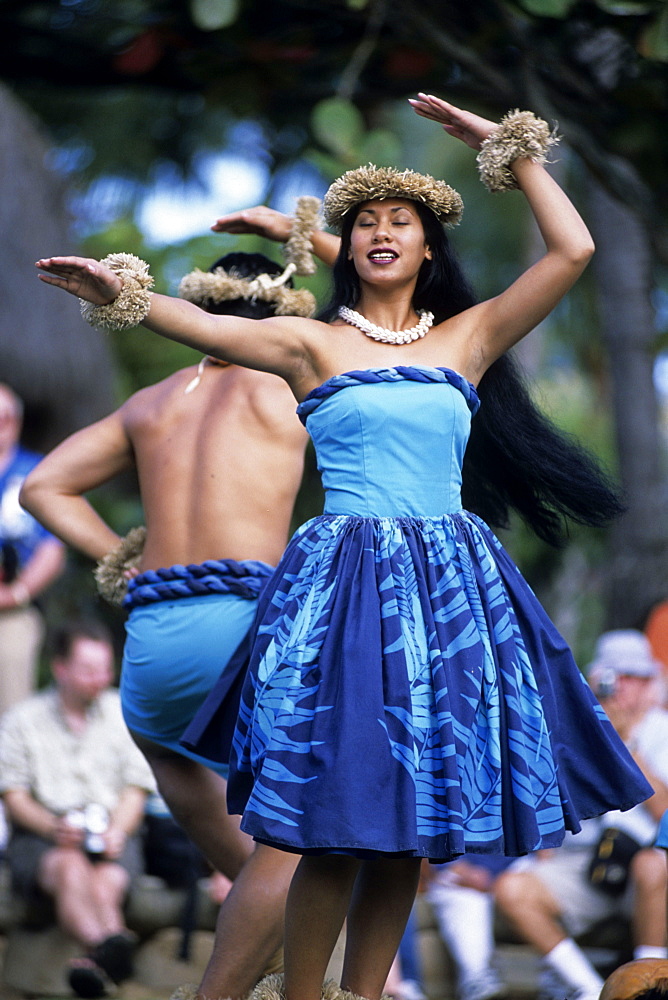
407, 694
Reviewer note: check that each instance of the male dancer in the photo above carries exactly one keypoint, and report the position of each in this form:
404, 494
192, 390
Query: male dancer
219, 454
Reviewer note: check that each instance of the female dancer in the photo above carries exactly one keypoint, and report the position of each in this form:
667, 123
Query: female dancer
407, 696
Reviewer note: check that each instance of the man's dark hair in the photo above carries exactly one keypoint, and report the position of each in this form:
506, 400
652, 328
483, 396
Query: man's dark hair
246, 265
64, 636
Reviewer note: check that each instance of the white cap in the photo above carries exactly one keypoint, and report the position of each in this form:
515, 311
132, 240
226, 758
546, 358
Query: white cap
626, 653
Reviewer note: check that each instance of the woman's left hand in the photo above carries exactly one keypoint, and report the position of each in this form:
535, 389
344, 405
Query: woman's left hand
257, 221
464, 125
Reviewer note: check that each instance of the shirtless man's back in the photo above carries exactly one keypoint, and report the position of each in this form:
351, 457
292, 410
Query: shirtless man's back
219, 455
218, 467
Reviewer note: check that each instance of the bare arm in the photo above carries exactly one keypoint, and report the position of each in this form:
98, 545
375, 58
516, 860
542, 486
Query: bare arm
500, 322
657, 804
125, 819
275, 345
45, 566
54, 491
26, 812
273, 225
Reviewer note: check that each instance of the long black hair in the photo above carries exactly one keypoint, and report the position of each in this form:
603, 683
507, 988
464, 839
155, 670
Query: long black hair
516, 458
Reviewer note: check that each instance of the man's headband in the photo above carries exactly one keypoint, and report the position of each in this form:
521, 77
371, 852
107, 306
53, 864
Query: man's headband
206, 287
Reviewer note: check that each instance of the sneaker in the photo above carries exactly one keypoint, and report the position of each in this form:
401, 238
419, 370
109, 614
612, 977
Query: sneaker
485, 987
552, 987
410, 989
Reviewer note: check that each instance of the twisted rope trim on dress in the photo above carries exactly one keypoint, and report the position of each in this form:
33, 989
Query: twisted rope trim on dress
399, 374
215, 576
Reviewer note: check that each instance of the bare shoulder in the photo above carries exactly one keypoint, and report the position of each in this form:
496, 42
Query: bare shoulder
270, 406
267, 391
141, 405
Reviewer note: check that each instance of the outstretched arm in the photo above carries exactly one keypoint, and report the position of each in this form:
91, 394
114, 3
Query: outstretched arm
273, 225
54, 492
502, 321
274, 345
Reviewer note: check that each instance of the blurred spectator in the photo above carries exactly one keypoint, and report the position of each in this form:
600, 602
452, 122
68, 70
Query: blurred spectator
30, 559
74, 787
610, 867
461, 896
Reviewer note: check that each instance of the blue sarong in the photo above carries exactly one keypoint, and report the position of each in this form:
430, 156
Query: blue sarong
186, 626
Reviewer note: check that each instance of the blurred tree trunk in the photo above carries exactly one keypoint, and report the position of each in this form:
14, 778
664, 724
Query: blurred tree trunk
59, 365
637, 575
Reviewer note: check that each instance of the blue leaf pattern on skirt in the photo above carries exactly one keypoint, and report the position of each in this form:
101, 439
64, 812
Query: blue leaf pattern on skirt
415, 617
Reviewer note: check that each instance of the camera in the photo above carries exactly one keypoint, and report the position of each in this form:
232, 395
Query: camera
606, 685
93, 819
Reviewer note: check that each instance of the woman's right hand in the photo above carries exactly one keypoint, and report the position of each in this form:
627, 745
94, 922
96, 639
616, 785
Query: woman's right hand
81, 276
257, 221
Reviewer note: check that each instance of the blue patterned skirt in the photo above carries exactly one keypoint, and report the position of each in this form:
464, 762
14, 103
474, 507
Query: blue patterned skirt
407, 695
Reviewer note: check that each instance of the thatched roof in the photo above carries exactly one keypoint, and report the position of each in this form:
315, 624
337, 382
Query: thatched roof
59, 365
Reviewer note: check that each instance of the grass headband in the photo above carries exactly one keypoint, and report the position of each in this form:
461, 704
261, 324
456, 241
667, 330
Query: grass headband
204, 287
371, 182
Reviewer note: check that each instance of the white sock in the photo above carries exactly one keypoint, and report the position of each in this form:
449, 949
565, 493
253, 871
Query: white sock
570, 962
465, 918
650, 951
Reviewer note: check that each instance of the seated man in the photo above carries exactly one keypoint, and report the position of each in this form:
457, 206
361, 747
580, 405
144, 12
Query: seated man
74, 787
567, 891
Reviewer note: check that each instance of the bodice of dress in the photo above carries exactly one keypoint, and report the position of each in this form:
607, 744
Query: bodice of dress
391, 441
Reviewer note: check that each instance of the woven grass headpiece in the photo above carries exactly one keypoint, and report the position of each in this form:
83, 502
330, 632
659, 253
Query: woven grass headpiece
371, 182
206, 287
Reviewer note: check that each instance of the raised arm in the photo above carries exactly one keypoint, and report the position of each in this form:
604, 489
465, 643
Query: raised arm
273, 225
274, 345
54, 492
502, 321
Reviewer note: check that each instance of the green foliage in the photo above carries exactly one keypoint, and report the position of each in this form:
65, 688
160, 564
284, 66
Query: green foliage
654, 40
549, 8
338, 125
139, 80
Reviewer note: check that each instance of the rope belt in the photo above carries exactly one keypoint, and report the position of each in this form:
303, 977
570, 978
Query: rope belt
215, 576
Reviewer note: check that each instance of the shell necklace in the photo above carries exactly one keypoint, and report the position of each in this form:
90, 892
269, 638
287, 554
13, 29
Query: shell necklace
207, 359
384, 335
